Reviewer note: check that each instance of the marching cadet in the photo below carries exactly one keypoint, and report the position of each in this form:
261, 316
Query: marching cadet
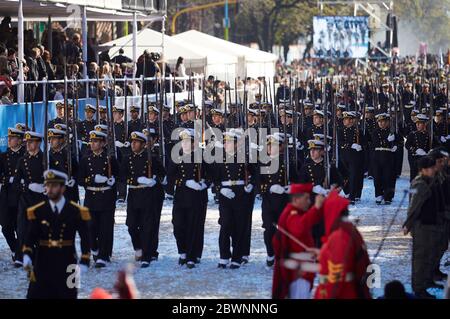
29, 181
142, 171
135, 123
186, 181
121, 145
314, 170
318, 125
217, 119
168, 127
49, 248
408, 102
384, 98
58, 161
384, 148
351, 156
9, 196
103, 115
424, 222
184, 117
98, 173
297, 220
440, 129
370, 126
85, 126
308, 116
236, 181
152, 117
59, 119
273, 189
343, 258
418, 144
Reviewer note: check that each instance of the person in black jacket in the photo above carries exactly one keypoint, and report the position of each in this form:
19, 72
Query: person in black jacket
97, 174
9, 196
143, 172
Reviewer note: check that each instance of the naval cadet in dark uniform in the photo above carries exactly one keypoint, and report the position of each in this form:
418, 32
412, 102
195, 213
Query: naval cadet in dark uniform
59, 119
98, 172
384, 144
49, 250
29, 181
9, 196
58, 161
135, 123
142, 171
85, 126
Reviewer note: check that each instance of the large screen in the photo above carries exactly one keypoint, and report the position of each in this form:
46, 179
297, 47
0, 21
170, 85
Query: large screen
339, 37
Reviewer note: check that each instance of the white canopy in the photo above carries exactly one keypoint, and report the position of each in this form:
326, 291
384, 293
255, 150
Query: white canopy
151, 40
251, 62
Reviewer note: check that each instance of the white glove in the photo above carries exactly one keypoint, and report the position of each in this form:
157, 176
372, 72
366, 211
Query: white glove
318, 189
203, 184
126, 144
164, 182
71, 182
248, 188
227, 192
111, 181
119, 144
100, 179
299, 146
391, 138
11, 179
443, 139
37, 188
146, 181
357, 147
193, 185
420, 152
277, 189
27, 263
447, 137
394, 149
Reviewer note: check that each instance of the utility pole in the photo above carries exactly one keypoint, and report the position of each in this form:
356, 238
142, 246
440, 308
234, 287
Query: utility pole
226, 21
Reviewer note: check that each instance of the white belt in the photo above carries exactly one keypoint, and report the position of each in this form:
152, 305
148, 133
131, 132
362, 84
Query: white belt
138, 186
384, 149
349, 277
98, 189
233, 183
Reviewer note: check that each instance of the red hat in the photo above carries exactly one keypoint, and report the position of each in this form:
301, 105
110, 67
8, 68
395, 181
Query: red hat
333, 207
301, 188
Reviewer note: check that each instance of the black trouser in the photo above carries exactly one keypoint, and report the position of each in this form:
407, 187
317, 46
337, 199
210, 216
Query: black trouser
368, 155
248, 235
384, 174
233, 222
143, 227
186, 219
426, 239
399, 159
101, 232
201, 232
121, 190
9, 229
413, 169
272, 206
351, 167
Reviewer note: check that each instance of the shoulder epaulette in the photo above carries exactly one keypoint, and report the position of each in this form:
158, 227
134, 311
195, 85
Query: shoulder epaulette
84, 211
30, 210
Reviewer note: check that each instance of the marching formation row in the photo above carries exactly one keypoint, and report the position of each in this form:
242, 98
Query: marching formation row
319, 134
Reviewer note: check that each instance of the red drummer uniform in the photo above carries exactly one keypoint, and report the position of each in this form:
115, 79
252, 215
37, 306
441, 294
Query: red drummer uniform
299, 224
343, 257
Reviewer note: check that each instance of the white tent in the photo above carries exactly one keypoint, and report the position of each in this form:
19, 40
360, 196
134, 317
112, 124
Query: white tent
151, 40
251, 62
